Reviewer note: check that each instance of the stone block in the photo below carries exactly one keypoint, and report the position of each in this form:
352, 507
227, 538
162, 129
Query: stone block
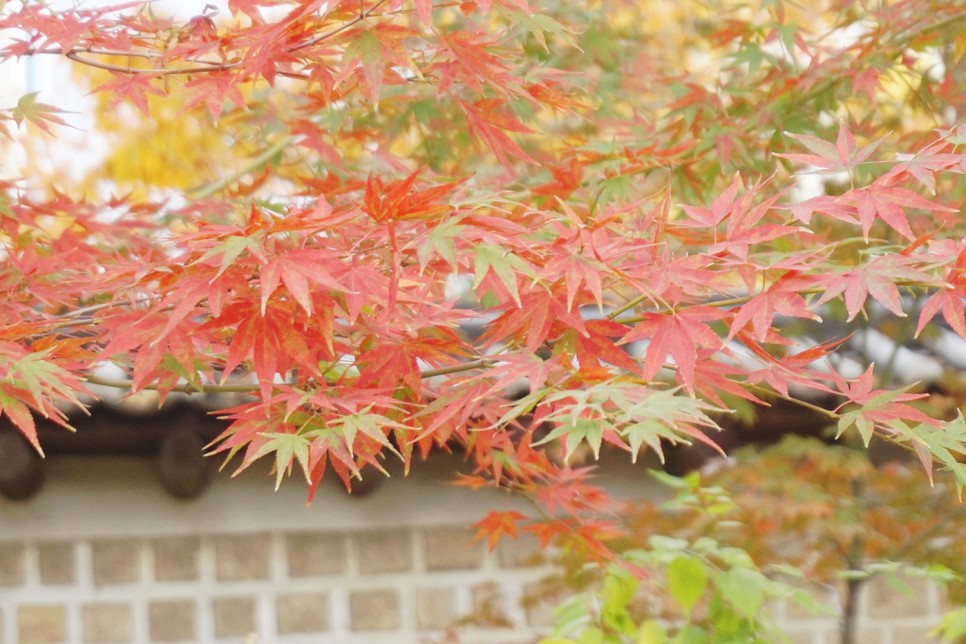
242, 557
176, 558
11, 563
172, 620
452, 549
374, 610
520, 551
42, 624
302, 612
382, 552
435, 608
234, 616
538, 606
917, 634
311, 554
115, 561
107, 623
489, 606
56, 562
803, 635
874, 635
907, 598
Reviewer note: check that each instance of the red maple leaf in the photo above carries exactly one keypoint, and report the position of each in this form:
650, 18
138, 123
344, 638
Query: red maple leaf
488, 120
888, 203
782, 297
678, 334
842, 156
132, 87
497, 524
877, 278
212, 89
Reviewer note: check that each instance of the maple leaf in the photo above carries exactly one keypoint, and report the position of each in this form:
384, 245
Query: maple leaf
876, 405
679, 334
946, 445
397, 200
272, 340
19, 414
390, 362
877, 278
720, 208
539, 315
949, 298
40, 114
212, 89
889, 203
250, 7
744, 226
658, 415
714, 377
505, 265
298, 270
131, 87
569, 492
834, 206
497, 524
951, 305
924, 165
488, 120
783, 297
31, 380
842, 156
473, 62
599, 345
424, 9
376, 48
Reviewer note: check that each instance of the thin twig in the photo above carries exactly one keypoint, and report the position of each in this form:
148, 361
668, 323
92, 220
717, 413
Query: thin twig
152, 71
211, 388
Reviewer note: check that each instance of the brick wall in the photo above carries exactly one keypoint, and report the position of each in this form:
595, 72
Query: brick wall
104, 555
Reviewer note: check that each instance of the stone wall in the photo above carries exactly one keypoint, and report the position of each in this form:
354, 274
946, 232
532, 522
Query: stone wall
104, 555
397, 585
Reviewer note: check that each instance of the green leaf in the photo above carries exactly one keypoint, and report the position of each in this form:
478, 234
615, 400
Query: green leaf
946, 444
230, 249
652, 632
856, 418
744, 589
952, 627
687, 578
40, 114
692, 634
572, 434
286, 448
367, 49
504, 264
591, 636
440, 242
571, 615
619, 589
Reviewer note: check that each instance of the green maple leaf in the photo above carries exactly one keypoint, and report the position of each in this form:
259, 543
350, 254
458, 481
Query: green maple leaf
40, 114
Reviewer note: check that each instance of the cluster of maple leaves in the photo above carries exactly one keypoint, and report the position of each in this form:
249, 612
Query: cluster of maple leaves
631, 257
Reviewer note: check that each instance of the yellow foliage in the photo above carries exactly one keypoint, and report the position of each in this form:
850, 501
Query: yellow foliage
173, 149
